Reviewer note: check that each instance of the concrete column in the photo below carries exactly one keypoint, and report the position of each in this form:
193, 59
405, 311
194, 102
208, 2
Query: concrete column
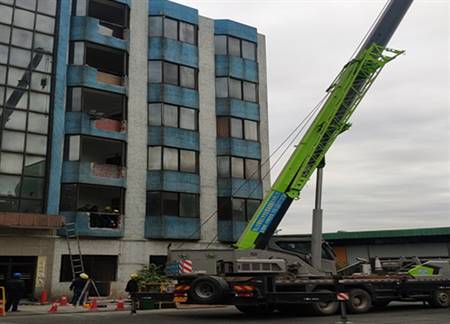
264, 118
207, 129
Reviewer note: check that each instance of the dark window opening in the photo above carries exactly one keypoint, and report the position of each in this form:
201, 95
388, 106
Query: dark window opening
236, 209
163, 203
104, 220
113, 17
237, 167
171, 73
159, 261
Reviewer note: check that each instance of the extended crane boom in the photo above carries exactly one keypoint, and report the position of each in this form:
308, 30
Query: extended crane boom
344, 95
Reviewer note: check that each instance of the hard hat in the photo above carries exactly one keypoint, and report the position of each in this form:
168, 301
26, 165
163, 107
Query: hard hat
17, 275
84, 276
133, 275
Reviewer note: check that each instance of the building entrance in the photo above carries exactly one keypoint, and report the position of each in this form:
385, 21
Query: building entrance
26, 265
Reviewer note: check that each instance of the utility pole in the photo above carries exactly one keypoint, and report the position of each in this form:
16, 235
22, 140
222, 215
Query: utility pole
316, 237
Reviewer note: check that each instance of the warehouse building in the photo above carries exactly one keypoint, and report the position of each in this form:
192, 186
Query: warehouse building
134, 120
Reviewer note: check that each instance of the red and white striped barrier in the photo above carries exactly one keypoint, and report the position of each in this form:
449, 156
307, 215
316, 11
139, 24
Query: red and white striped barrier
185, 266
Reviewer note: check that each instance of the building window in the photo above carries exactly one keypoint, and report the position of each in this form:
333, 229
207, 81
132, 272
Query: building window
171, 73
159, 26
112, 16
237, 89
166, 115
237, 128
174, 159
237, 167
163, 203
228, 45
237, 209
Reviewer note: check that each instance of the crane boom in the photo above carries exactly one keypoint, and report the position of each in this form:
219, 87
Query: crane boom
344, 95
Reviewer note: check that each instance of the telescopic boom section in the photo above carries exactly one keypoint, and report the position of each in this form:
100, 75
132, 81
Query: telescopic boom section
344, 95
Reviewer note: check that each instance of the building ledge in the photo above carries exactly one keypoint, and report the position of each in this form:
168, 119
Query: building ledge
93, 173
83, 223
174, 137
230, 231
242, 188
81, 123
238, 147
87, 76
164, 180
236, 67
172, 227
237, 108
30, 221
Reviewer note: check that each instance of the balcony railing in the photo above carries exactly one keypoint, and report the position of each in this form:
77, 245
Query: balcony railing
105, 220
110, 78
107, 170
111, 30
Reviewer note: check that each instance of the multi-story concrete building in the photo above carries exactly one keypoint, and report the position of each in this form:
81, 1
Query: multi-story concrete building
141, 122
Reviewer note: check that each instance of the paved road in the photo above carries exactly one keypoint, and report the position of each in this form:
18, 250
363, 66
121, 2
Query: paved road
404, 314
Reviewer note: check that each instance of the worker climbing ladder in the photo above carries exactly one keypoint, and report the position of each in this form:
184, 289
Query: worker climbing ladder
73, 244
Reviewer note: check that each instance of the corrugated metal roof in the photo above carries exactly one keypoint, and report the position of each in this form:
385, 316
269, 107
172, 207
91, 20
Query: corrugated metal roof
416, 232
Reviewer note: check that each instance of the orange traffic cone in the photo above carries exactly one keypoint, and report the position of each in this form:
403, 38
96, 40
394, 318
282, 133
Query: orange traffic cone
63, 300
44, 300
120, 304
53, 308
93, 305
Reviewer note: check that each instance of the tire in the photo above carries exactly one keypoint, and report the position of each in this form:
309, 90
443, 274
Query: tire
440, 299
208, 290
325, 309
360, 301
255, 309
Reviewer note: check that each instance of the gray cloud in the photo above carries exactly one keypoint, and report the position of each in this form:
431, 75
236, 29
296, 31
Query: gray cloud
392, 168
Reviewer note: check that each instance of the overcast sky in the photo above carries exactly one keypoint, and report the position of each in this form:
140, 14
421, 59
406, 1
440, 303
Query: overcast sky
392, 168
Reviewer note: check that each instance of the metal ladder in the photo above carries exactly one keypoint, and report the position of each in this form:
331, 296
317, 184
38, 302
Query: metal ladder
76, 260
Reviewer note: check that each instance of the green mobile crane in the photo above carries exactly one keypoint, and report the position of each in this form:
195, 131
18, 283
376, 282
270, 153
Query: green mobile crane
262, 274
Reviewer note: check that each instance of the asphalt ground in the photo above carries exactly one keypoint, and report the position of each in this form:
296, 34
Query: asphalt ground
395, 314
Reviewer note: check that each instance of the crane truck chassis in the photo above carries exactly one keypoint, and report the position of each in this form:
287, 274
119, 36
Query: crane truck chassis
260, 274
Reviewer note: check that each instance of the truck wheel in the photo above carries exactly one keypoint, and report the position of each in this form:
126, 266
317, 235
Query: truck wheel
359, 302
325, 309
255, 309
208, 290
440, 299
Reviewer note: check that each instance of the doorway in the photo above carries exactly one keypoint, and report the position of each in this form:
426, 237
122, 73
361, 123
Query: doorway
26, 265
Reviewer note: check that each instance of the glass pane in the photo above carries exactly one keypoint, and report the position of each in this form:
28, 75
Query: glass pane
74, 148
170, 28
45, 65
188, 119
250, 91
47, 6
4, 57
188, 161
6, 15
221, 87
189, 205
155, 26
27, 4
220, 45
10, 185
252, 169
237, 167
234, 48
249, 50
187, 77
170, 73
251, 130
23, 18
5, 32
11, 98
252, 206
154, 157
11, 163
170, 114
153, 204
236, 128
169, 204
13, 141
170, 159
154, 114
68, 197
34, 166
22, 38
223, 129
36, 144
32, 188
38, 123
15, 75
14, 119
10, 205
30, 206
235, 89
238, 206
43, 42
224, 208
39, 102
45, 24
20, 57
187, 33
223, 166
40, 82
154, 71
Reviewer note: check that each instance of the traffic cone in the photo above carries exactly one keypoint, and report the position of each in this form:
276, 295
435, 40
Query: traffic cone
120, 304
93, 305
63, 300
53, 308
44, 298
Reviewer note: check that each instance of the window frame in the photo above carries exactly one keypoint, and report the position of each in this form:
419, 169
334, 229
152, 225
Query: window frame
179, 150
246, 175
241, 51
228, 130
179, 109
161, 213
225, 208
179, 68
178, 22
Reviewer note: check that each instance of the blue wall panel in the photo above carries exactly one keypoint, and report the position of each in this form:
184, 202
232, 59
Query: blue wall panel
173, 181
173, 95
230, 231
237, 108
160, 48
173, 10
81, 220
239, 147
174, 137
172, 227
86, 29
80, 123
80, 172
233, 28
233, 187
86, 76
236, 67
